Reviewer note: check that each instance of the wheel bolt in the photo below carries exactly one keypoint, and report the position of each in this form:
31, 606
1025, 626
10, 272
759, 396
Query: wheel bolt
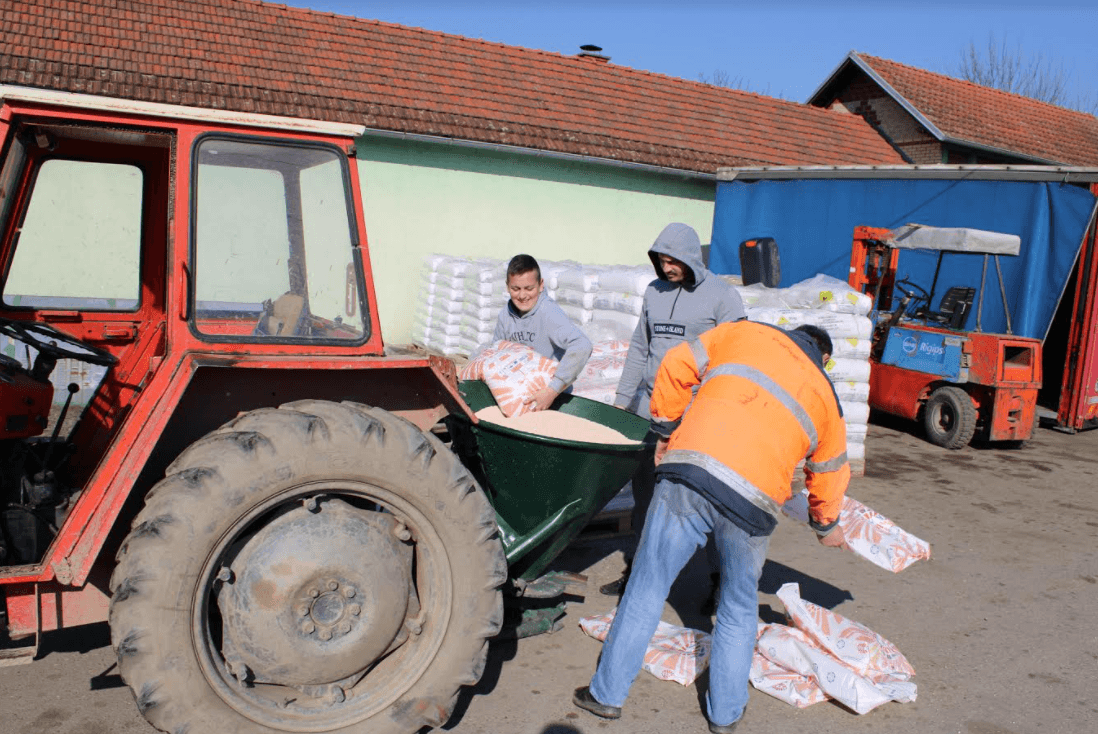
345, 627
303, 611
308, 628
333, 585
314, 593
325, 635
349, 592
355, 609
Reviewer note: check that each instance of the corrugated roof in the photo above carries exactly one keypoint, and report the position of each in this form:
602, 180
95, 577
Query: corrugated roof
967, 112
252, 56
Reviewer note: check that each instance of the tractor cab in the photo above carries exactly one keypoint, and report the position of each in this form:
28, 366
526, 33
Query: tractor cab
928, 360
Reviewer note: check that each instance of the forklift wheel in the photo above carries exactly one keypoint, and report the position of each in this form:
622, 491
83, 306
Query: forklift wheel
950, 418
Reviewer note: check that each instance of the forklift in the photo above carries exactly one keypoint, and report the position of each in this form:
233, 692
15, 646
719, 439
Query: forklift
926, 364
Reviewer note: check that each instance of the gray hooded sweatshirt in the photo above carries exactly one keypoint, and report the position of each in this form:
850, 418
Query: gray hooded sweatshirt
673, 313
547, 330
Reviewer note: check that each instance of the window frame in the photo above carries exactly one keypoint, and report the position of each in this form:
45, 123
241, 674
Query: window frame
353, 231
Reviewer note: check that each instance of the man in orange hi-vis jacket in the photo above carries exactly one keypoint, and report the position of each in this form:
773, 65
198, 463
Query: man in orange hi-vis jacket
736, 410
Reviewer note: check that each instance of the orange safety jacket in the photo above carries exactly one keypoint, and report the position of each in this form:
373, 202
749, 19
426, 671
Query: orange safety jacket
743, 404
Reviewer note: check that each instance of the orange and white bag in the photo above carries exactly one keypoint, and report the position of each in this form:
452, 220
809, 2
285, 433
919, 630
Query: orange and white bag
675, 653
513, 372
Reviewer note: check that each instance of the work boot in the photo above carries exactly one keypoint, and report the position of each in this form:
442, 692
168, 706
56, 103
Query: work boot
583, 698
727, 728
615, 587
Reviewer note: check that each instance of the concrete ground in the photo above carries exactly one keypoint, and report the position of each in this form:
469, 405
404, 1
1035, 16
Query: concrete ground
1000, 625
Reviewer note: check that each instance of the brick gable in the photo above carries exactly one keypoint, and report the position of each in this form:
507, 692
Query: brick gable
996, 125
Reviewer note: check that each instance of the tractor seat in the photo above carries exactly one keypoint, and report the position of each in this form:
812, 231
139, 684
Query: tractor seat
285, 317
954, 307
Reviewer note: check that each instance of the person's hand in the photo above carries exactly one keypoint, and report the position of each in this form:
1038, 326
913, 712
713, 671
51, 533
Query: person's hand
834, 539
542, 399
661, 449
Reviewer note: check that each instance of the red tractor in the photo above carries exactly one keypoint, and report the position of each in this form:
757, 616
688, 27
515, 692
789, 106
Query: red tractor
272, 554
925, 361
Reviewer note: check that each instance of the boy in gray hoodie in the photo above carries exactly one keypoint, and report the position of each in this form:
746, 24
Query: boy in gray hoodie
534, 319
684, 301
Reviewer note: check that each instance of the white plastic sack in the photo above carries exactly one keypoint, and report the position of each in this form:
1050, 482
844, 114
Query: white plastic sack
856, 432
551, 270
578, 315
850, 347
572, 297
855, 412
433, 261
626, 320
837, 325
579, 279
598, 330
759, 296
626, 280
602, 391
850, 391
827, 293
847, 370
612, 301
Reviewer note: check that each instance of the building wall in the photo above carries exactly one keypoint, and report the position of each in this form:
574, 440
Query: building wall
423, 198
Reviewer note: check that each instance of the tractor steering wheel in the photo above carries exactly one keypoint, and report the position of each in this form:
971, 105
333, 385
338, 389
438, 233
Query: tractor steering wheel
57, 344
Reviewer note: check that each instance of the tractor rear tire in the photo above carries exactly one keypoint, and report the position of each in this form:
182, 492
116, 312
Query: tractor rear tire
950, 418
256, 590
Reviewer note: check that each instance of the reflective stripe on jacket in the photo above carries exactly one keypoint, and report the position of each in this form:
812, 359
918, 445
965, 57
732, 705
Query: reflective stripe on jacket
761, 407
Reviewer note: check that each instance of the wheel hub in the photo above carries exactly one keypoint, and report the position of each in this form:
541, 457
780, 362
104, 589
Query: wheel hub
317, 595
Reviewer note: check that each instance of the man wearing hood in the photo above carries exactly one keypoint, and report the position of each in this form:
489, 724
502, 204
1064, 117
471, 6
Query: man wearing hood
736, 410
684, 301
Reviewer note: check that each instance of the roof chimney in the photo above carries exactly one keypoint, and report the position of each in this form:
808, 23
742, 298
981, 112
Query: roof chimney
591, 51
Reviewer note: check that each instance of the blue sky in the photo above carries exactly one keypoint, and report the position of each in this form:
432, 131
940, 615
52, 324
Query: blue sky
783, 48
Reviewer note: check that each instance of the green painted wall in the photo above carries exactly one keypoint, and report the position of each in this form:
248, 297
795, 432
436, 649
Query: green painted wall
422, 198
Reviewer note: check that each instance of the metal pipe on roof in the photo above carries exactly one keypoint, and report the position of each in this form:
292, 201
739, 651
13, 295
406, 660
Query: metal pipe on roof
534, 152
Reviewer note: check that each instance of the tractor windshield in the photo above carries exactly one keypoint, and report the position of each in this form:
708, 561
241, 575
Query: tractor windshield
274, 245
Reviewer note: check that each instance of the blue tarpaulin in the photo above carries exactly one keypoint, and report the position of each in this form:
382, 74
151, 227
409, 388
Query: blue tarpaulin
813, 221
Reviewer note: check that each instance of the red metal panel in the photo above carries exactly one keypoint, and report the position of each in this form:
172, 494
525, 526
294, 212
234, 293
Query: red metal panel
898, 391
1079, 386
54, 607
1013, 413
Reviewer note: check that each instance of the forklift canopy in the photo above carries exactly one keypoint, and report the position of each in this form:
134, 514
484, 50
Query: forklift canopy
955, 239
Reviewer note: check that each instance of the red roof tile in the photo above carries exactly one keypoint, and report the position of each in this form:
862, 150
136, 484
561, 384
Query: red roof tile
260, 57
967, 112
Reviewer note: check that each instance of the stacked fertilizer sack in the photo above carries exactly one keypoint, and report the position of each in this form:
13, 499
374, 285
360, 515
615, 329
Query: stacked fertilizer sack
460, 299
606, 301
837, 308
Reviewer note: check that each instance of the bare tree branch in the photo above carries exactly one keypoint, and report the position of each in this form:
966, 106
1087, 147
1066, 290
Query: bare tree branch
1007, 68
721, 78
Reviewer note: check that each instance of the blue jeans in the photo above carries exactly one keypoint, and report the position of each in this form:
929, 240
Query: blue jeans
678, 522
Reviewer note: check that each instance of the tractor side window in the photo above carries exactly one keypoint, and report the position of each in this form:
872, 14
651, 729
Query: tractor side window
79, 246
274, 253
